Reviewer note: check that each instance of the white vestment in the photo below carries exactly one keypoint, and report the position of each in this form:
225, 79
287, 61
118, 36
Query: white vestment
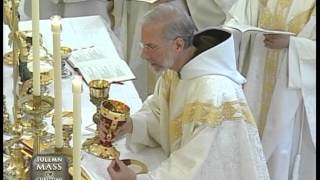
207, 13
280, 86
200, 118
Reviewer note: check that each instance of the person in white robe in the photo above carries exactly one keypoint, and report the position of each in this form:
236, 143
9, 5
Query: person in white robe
198, 113
209, 12
70, 8
280, 88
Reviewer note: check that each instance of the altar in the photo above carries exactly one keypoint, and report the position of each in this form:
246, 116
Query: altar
79, 33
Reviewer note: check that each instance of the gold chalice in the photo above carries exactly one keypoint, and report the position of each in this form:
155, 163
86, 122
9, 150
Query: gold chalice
27, 38
99, 91
65, 54
67, 127
46, 75
113, 114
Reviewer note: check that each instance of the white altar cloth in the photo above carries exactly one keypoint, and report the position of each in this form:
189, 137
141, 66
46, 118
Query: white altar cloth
83, 32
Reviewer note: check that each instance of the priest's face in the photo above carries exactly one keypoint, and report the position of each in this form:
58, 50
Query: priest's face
155, 49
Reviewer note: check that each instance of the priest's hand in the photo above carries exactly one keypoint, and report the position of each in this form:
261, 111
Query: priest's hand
276, 41
119, 171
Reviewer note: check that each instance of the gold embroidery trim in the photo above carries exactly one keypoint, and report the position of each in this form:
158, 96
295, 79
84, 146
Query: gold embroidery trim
272, 62
209, 114
170, 79
297, 23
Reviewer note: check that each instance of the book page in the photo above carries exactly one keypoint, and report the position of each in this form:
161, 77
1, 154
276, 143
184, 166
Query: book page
244, 28
84, 55
94, 64
112, 71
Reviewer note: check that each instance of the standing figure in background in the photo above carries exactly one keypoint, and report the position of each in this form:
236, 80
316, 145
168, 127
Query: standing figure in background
209, 12
280, 88
70, 8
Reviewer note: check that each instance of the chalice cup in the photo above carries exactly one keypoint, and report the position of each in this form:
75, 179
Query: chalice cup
113, 114
46, 78
67, 127
99, 91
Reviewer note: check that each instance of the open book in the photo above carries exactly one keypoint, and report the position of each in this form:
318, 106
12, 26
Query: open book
93, 63
244, 28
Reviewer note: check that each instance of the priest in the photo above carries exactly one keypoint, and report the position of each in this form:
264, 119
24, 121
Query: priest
198, 113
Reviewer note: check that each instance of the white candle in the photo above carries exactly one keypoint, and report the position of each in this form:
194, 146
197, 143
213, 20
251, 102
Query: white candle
36, 47
55, 27
76, 89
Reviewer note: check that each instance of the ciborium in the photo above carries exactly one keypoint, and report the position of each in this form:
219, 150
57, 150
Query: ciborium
113, 114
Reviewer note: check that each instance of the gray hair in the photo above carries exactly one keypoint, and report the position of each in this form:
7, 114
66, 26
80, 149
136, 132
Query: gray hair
177, 23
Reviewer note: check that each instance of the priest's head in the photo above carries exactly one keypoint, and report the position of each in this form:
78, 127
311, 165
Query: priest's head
166, 37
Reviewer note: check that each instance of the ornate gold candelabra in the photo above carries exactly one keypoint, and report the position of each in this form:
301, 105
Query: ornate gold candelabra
16, 166
37, 107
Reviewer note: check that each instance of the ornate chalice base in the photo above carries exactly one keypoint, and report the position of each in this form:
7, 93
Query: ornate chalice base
95, 147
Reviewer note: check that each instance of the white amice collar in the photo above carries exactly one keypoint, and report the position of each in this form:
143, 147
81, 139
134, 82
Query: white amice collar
218, 60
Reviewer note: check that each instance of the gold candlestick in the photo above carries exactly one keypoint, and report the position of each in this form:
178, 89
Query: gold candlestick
37, 107
16, 167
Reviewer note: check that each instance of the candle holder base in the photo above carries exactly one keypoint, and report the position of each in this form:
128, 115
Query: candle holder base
92, 146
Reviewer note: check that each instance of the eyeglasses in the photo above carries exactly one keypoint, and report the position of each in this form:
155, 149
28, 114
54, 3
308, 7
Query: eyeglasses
149, 46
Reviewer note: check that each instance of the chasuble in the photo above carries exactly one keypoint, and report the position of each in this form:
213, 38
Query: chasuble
200, 118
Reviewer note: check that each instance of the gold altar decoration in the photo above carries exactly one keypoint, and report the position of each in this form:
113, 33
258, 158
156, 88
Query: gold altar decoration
16, 168
37, 107
99, 91
113, 114
44, 55
46, 75
7, 125
67, 127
